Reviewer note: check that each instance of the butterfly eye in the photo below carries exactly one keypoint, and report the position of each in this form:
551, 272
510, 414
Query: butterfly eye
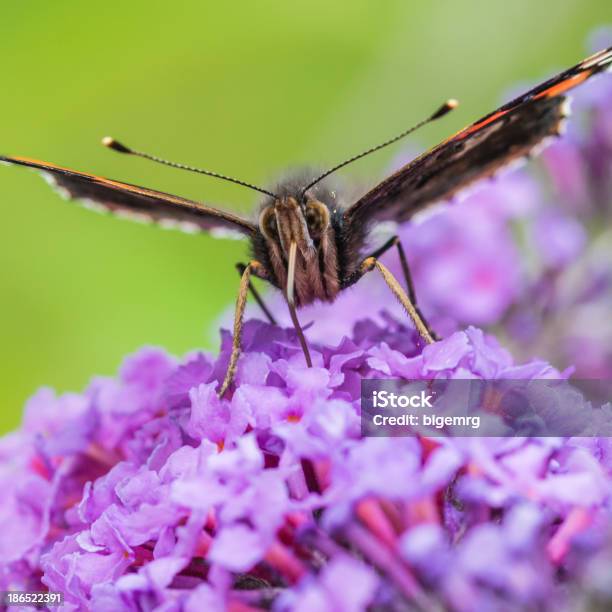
317, 218
267, 223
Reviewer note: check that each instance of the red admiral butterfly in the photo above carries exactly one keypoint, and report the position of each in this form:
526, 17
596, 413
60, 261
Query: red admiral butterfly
305, 242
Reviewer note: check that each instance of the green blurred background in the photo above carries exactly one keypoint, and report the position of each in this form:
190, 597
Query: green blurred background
245, 88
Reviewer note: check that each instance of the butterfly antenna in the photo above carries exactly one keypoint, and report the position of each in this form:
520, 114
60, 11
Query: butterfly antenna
115, 145
448, 106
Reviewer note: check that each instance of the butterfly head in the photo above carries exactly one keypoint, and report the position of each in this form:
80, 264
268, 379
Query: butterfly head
297, 243
288, 219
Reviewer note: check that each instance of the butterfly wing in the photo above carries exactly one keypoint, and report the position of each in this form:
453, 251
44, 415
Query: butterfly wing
507, 134
138, 203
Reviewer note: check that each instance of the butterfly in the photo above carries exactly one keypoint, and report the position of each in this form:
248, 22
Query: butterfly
304, 241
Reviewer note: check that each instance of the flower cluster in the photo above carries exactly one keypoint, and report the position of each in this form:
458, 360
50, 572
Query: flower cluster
147, 492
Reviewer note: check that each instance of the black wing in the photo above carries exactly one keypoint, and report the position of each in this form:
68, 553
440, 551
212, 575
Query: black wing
138, 203
509, 133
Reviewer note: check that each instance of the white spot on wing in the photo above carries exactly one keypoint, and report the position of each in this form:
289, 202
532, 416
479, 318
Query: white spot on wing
183, 226
225, 232
139, 217
566, 107
94, 206
50, 180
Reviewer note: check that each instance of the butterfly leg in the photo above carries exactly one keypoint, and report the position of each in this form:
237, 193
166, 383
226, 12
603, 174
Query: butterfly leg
254, 267
371, 263
396, 242
241, 268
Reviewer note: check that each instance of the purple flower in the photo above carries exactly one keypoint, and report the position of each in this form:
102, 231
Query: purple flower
323, 593
271, 495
